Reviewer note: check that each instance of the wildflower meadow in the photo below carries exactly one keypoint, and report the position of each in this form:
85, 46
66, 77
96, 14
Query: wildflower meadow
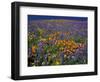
57, 40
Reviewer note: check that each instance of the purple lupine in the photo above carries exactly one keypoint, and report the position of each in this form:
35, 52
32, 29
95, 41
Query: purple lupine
45, 59
38, 53
61, 36
40, 44
62, 58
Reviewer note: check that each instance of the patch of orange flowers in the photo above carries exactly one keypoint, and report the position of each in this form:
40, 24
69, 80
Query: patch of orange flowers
34, 49
66, 46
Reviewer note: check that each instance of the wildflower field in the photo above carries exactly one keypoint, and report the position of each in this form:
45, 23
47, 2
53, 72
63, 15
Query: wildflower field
57, 41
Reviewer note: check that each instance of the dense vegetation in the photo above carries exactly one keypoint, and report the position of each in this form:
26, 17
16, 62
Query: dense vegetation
57, 42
